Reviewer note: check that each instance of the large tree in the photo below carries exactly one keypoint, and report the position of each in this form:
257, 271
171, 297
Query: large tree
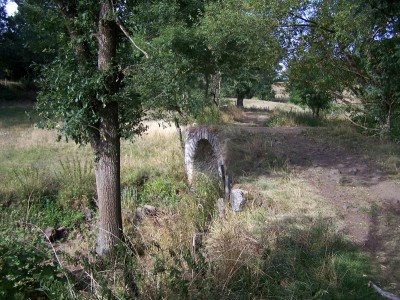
241, 36
83, 94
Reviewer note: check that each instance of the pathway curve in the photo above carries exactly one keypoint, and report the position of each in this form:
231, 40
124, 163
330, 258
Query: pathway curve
366, 199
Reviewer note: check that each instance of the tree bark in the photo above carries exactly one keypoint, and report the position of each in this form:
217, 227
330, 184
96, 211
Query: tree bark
239, 100
106, 144
105, 137
215, 87
179, 132
107, 170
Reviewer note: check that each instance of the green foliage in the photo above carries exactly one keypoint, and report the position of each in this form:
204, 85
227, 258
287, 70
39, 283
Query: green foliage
171, 82
22, 46
28, 269
317, 101
48, 213
310, 83
350, 45
162, 191
72, 89
241, 37
209, 116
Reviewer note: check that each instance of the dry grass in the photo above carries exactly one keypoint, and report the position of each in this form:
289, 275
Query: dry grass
280, 91
267, 105
285, 240
156, 153
345, 135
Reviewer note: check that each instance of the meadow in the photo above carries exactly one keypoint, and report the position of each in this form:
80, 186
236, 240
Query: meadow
288, 242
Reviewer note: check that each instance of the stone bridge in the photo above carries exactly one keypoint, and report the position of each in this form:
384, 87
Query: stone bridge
204, 153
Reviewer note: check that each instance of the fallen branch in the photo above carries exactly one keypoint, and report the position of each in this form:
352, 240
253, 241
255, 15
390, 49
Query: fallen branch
382, 293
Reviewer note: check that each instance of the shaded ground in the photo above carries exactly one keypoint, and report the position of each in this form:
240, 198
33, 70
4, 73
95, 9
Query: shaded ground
365, 198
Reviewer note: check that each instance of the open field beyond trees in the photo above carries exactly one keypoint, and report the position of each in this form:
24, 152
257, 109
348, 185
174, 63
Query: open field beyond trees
322, 218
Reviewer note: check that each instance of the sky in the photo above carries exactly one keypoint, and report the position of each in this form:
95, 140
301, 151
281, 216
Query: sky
11, 8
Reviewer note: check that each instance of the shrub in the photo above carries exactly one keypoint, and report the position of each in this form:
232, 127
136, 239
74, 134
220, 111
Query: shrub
209, 116
28, 269
49, 213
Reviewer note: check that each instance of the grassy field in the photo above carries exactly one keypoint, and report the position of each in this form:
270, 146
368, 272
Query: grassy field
286, 244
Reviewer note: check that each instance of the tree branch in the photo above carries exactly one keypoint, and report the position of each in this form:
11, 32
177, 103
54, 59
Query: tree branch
382, 293
82, 48
361, 126
123, 29
316, 24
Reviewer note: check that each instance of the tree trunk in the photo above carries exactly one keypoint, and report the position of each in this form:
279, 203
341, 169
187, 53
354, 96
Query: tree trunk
107, 170
215, 87
239, 101
179, 132
106, 145
105, 139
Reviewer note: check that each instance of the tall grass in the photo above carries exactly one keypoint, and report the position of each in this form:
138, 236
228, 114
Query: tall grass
280, 118
286, 244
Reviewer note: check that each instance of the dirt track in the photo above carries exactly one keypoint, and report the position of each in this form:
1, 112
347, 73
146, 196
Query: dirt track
365, 198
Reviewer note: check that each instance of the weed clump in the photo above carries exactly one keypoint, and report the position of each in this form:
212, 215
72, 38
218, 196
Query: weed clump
292, 119
76, 183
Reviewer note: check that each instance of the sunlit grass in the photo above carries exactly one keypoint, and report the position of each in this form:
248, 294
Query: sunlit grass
287, 243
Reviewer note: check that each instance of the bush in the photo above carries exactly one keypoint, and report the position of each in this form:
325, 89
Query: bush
28, 269
49, 213
314, 99
209, 116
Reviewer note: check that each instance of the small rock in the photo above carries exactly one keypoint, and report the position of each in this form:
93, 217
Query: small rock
50, 232
238, 199
139, 214
150, 210
88, 214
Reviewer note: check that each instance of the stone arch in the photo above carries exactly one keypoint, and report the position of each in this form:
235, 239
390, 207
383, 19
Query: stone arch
203, 152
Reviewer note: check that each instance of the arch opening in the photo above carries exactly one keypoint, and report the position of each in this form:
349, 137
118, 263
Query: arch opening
203, 153
205, 159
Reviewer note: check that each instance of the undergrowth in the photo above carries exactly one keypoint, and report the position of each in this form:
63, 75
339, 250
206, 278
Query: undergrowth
280, 118
284, 245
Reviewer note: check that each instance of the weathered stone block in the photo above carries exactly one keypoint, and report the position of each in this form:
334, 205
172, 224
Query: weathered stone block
238, 199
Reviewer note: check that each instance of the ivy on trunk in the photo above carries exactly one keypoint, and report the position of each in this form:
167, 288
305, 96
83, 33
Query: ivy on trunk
84, 88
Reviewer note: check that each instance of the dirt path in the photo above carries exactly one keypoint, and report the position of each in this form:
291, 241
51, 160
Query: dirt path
365, 198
